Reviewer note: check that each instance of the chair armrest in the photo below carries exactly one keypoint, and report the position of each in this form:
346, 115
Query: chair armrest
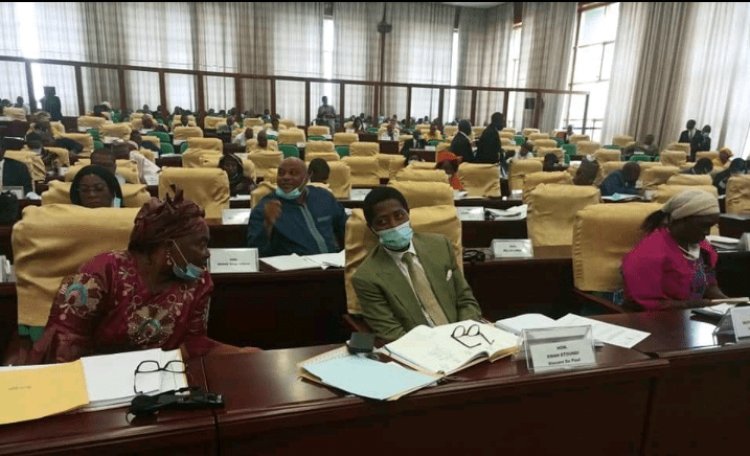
605, 305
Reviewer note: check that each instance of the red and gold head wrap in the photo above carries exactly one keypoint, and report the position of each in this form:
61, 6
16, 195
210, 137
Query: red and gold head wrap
159, 221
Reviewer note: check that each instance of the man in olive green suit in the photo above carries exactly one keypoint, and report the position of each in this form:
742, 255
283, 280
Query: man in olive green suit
409, 279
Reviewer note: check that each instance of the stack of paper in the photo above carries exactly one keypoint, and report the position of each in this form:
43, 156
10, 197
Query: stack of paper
235, 216
723, 242
359, 194
296, 262
513, 213
516, 325
364, 376
470, 213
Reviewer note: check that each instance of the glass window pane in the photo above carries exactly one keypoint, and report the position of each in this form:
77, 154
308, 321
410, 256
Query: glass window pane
319, 90
100, 84
142, 88
424, 102
13, 82
588, 62
607, 60
359, 99
593, 22
219, 93
394, 102
256, 95
63, 79
290, 101
181, 91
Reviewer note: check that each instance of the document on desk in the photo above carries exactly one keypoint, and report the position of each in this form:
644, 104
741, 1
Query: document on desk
369, 378
296, 262
606, 332
31, 392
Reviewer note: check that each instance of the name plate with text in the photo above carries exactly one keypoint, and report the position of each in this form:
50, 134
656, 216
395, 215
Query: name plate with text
741, 322
512, 248
559, 348
233, 261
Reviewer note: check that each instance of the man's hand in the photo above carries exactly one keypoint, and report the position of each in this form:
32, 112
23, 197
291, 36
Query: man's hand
272, 213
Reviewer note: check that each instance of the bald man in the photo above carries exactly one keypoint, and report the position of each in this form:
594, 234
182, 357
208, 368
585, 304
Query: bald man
296, 218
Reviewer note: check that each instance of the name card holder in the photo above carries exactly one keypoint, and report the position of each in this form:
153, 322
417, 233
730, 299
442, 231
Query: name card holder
512, 248
735, 325
550, 349
235, 216
233, 261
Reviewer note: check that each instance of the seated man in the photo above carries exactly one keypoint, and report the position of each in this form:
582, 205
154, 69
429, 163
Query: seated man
622, 180
327, 115
647, 147
702, 166
107, 159
14, 173
409, 279
318, 171
296, 218
586, 172
416, 143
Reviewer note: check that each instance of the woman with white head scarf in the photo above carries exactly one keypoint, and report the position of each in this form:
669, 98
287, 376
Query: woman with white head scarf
674, 266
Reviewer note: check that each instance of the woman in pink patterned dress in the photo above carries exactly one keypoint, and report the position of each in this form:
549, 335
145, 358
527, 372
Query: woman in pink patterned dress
154, 294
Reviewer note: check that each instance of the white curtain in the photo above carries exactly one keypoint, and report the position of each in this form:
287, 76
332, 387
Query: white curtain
715, 90
12, 74
484, 37
547, 37
418, 50
357, 52
647, 75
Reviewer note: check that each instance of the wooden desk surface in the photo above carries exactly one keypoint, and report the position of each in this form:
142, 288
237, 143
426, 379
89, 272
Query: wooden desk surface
702, 405
499, 406
108, 431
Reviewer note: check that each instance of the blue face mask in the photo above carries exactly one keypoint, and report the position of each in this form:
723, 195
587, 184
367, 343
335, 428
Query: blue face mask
397, 238
191, 273
291, 196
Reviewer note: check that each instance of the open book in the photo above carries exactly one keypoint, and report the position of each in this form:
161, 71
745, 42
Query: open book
450, 348
295, 262
622, 197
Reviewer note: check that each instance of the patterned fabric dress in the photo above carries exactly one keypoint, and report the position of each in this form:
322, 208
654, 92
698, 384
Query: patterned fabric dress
106, 307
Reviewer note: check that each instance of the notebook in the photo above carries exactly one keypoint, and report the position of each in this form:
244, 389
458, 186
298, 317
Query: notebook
296, 262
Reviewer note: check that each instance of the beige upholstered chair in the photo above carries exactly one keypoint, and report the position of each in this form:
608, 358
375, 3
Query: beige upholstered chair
607, 155
327, 156
345, 139
15, 113
340, 179
534, 179
364, 171
360, 240
183, 133
690, 179
424, 194
318, 130
587, 147
206, 143
519, 170
654, 176
529, 131
685, 147
665, 192
211, 122
364, 149
673, 157
450, 130
207, 187
289, 123
421, 175
263, 189
541, 136
559, 153
291, 136
575, 139
319, 146
552, 211
265, 161
738, 195
33, 162
86, 122
118, 130
709, 154
252, 122
480, 180
622, 140
84, 139
43, 257
192, 156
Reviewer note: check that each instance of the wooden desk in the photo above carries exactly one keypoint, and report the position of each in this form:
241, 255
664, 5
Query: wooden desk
108, 431
175, 161
368, 137
499, 408
424, 155
389, 147
702, 404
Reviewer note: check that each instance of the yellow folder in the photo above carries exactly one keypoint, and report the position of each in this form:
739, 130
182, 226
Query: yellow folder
28, 393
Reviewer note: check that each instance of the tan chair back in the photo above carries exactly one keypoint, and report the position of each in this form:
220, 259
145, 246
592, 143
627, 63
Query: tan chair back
519, 169
738, 195
206, 143
552, 211
207, 187
587, 147
622, 140
653, 176
364, 149
345, 139
421, 175
318, 130
319, 146
534, 179
690, 179
133, 195
673, 157
291, 136
480, 180
265, 161
118, 130
575, 139
364, 171
184, 133
665, 192
425, 194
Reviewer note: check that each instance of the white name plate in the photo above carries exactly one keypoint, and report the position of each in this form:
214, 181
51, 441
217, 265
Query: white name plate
741, 322
512, 248
229, 261
559, 348
235, 216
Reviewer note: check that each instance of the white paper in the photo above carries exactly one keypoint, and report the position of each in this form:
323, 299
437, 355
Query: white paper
326, 260
516, 325
512, 213
295, 262
741, 322
235, 216
606, 332
359, 194
459, 194
466, 214
239, 198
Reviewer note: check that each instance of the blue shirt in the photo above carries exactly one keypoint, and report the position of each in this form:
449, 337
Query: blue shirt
615, 183
305, 229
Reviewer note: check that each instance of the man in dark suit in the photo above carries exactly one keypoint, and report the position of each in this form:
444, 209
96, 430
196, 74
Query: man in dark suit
488, 149
15, 173
693, 137
408, 279
416, 143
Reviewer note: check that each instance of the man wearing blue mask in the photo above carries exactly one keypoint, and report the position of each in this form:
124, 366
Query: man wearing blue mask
296, 218
409, 279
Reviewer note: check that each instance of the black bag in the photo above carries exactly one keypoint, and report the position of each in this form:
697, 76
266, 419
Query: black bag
8, 208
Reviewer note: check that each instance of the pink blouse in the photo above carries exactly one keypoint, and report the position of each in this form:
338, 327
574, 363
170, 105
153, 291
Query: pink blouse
656, 270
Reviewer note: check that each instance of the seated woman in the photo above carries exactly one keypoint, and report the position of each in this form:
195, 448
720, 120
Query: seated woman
673, 266
95, 187
154, 294
239, 184
448, 162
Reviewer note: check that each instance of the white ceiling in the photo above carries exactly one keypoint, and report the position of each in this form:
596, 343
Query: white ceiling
475, 4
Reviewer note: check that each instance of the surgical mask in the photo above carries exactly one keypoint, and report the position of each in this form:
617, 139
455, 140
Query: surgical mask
291, 196
397, 238
191, 273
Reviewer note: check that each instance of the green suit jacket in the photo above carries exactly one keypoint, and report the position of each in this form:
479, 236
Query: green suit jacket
388, 302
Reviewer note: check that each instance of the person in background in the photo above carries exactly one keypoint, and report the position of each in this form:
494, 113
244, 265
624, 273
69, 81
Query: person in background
95, 187
693, 137
13, 173
622, 180
155, 294
34, 144
51, 104
408, 279
415, 143
647, 146
318, 171
327, 115
488, 148
448, 162
673, 266
702, 166
551, 163
586, 172
243, 136
705, 138
358, 126
136, 142
239, 184
461, 144
296, 218
20, 104
725, 154
391, 131
434, 134
737, 167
